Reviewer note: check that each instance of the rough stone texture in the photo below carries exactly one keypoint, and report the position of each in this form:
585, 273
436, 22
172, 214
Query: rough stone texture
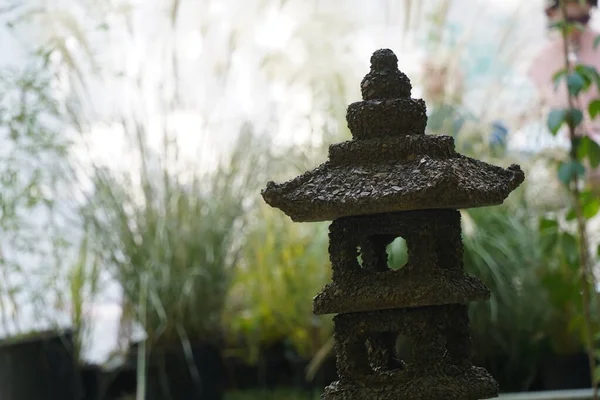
385, 81
450, 383
382, 118
393, 181
390, 149
398, 290
390, 165
439, 367
334, 191
432, 276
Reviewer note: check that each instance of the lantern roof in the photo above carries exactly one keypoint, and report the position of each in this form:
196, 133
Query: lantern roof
390, 165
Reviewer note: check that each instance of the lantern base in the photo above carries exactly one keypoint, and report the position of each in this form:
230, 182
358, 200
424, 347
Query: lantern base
473, 383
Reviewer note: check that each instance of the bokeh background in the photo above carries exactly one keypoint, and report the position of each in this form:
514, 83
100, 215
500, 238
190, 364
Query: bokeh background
135, 139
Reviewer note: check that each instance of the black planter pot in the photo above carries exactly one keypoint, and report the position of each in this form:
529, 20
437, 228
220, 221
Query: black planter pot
512, 375
39, 367
326, 375
171, 376
241, 375
561, 372
98, 384
116, 384
91, 382
299, 365
277, 366
272, 369
274, 366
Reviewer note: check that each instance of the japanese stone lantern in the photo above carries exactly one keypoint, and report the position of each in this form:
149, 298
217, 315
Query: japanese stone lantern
391, 180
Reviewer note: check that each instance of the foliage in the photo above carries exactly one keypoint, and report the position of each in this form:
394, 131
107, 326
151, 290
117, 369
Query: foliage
84, 284
175, 240
32, 172
561, 280
28, 118
47, 264
282, 266
578, 78
556, 268
271, 395
502, 247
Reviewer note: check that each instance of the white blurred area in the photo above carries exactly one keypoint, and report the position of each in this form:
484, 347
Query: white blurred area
228, 62
221, 48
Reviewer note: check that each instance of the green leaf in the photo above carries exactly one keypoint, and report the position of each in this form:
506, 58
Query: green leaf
574, 117
569, 171
547, 224
596, 41
588, 73
588, 149
548, 234
578, 25
566, 26
570, 249
590, 209
594, 108
576, 83
571, 215
590, 203
558, 76
556, 25
576, 324
555, 120
557, 117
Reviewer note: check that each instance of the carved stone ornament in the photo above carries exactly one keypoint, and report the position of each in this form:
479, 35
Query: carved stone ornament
391, 180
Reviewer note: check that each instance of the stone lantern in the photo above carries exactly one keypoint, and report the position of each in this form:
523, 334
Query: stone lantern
391, 180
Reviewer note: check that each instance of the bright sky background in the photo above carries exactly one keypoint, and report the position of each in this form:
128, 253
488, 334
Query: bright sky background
213, 107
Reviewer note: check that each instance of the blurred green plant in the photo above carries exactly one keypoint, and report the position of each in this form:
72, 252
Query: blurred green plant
84, 283
32, 169
562, 282
571, 171
502, 247
281, 267
175, 240
271, 395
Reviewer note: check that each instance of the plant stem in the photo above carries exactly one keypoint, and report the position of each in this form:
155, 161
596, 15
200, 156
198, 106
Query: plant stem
142, 350
585, 272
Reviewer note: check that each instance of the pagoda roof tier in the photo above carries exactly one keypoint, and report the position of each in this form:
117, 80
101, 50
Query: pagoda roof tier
391, 165
398, 289
403, 173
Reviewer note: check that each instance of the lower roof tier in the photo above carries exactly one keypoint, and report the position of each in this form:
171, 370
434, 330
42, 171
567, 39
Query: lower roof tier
398, 289
335, 190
